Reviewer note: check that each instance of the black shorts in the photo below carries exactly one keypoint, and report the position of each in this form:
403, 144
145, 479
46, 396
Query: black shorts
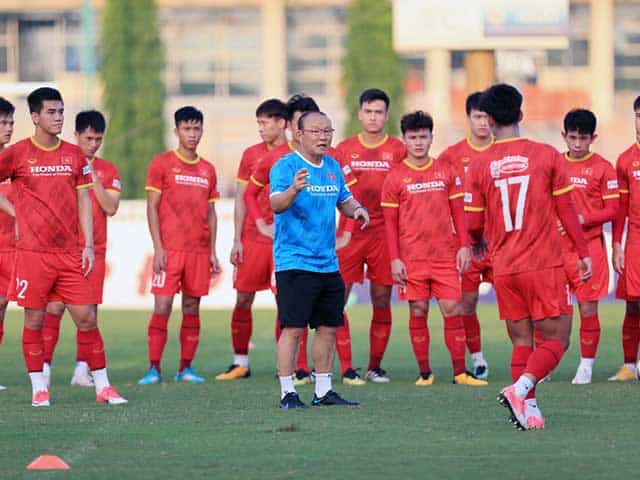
310, 299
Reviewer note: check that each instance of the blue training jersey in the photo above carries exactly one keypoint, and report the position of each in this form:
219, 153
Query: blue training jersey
305, 233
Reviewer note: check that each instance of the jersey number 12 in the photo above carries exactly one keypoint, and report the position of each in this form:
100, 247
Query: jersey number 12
511, 224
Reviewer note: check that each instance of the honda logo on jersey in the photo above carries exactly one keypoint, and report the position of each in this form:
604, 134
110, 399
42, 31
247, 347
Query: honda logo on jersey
579, 182
432, 186
508, 165
50, 170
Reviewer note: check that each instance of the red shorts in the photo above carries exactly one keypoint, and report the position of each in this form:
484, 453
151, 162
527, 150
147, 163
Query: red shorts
479, 271
96, 282
629, 282
256, 270
189, 272
40, 276
598, 285
431, 278
7, 271
370, 250
537, 294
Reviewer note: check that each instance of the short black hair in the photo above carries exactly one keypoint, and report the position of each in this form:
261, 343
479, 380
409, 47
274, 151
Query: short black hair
188, 114
503, 103
581, 120
301, 103
372, 94
92, 119
417, 120
6, 107
40, 95
636, 104
305, 115
272, 108
473, 102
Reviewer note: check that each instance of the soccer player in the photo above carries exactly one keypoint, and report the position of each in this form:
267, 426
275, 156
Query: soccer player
296, 107
596, 197
461, 155
626, 259
251, 254
518, 189
306, 187
369, 157
51, 180
7, 222
422, 200
181, 193
105, 198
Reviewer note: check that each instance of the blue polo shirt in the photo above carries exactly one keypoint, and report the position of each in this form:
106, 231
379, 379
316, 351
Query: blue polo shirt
305, 233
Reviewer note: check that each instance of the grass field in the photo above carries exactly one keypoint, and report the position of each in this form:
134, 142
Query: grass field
235, 430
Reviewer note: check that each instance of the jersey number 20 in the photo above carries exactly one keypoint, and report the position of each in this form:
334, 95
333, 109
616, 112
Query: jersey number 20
511, 224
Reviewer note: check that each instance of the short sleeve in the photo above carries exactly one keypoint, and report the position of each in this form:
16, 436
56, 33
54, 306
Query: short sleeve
155, 176
390, 197
474, 199
560, 183
455, 189
8, 162
113, 183
244, 169
609, 183
82, 169
281, 176
621, 173
214, 195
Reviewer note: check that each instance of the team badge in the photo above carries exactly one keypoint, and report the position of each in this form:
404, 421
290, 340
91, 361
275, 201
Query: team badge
66, 160
587, 171
387, 156
438, 175
176, 170
331, 176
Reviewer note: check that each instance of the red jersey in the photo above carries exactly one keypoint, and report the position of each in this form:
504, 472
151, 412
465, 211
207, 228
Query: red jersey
187, 188
628, 171
44, 191
515, 186
370, 165
594, 180
7, 222
422, 195
109, 177
250, 159
462, 154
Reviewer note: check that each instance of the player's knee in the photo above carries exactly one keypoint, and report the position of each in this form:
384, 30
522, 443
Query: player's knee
588, 309
468, 303
162, 306
244, 300
33, 319
381, 296
419, 309
55, 308
190, 305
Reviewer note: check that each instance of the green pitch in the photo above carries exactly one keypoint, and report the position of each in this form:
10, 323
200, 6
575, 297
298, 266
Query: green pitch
235, 430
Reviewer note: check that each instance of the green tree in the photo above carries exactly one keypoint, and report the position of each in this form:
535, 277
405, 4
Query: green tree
370, 61
134, 95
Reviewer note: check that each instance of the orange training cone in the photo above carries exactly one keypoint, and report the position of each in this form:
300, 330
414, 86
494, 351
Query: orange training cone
48, 462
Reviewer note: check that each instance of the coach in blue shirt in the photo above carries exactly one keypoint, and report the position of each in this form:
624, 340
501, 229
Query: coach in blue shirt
306, 187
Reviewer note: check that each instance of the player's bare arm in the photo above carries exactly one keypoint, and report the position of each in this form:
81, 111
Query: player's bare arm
108, 201
251, 204
239, 213
212, 220
153, 219
353, 209
399, 272
283, 200
85, 214
463, 259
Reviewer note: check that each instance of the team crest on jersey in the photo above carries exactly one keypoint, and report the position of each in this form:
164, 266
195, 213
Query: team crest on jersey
508, 165
387, 156
587, 171
176, 170
355, 155
66, 160
331, 176
438, 175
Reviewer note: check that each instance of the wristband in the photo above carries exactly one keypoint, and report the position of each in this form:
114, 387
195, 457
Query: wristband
355, 209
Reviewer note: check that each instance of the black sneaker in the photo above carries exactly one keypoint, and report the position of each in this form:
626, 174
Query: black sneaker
332, 398
301, 377
291, 401
351, 377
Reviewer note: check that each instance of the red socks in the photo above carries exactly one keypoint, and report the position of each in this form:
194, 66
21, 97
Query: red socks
157, 339
456, 343
379, 334
32, 349
91, 347
50, 335
545, 358
301, 362
589, 336
472, 332
241, 326
343, 345
630, 338
189, 339
419, 333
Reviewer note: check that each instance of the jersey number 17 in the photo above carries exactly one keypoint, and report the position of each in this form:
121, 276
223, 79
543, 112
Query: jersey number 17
511, 223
